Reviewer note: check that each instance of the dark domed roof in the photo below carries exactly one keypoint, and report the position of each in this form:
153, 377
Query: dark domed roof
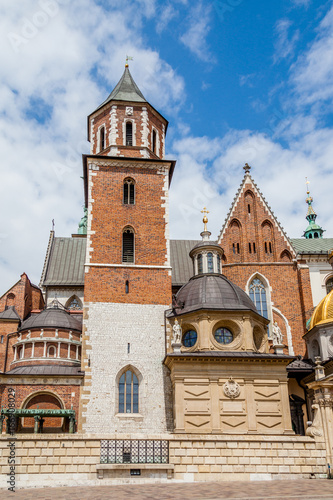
206, 243
212, 291
54, 316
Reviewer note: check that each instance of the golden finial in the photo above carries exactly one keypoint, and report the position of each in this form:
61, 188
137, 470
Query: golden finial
128, 58
205, 219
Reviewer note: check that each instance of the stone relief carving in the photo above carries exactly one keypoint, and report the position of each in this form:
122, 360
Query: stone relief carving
231, 389
129, 111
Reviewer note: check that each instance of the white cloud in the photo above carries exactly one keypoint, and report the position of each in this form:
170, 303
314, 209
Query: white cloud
195, 37
312, 74
55, 64
285, 43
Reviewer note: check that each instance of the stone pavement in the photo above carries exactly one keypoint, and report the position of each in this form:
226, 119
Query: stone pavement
303, 489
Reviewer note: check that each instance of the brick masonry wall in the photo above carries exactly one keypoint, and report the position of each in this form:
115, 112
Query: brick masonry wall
251, 221
116, 336
141, 139
69, 460
62, 396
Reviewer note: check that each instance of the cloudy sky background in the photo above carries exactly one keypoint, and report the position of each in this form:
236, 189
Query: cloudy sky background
239, 81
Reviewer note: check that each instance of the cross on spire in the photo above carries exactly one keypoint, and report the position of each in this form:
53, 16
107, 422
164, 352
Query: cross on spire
205, 219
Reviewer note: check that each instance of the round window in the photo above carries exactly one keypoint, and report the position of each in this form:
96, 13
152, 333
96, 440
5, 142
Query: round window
190, 338
223, 336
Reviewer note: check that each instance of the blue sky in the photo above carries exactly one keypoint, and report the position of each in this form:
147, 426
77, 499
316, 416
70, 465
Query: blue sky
239, 81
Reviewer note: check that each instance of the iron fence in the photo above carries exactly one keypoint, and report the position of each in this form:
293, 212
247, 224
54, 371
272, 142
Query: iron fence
134, 451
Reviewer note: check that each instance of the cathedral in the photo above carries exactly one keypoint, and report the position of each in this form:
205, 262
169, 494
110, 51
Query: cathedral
207, 359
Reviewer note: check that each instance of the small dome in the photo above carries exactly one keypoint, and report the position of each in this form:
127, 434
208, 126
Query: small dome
323, 312
54, 316
212, 291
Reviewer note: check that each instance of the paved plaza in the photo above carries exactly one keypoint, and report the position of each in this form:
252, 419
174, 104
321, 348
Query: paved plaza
307, 489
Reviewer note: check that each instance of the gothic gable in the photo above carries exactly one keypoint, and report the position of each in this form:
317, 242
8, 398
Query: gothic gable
251, 232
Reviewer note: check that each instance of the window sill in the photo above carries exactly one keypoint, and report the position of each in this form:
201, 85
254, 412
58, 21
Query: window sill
137, 416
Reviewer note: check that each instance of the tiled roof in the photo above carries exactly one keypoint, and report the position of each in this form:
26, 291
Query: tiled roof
66, 262
9, 313
316, 245
181, 263
125, 90
46, 370
65, 265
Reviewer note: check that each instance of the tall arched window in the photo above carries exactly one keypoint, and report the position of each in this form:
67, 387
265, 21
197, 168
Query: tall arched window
128, 245
210, 263
257, 294
129, 192
200, 267
102, 139
329, 284
129, 134
128, 393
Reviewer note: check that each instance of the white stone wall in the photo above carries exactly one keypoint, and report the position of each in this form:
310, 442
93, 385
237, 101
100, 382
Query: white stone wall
63, 294
109, 328
320, 272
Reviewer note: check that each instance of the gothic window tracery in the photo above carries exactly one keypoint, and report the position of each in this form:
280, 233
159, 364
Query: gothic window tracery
74, 304
128, 393
129, 192
257, 294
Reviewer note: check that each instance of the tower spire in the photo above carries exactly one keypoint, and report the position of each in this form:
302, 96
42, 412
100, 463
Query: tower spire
313, 230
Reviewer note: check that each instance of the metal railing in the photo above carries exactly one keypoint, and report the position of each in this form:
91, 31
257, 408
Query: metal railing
134, 451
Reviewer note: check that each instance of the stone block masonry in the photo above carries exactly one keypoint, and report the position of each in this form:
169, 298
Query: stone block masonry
118, 336
62, 460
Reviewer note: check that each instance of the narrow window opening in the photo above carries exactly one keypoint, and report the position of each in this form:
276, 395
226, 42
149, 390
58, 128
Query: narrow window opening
250, 250
200, 267
128, 348
234, 248
237, 247
154, 141
129, 134
249, 208
129, 192
254, 248
266, 247
310, 235
210, 263
128, 245
270, 247
1, 339
102, 138
126, 286
316, 235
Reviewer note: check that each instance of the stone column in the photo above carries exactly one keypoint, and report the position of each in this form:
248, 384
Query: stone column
59, 347
15, 353
77, 352
69, 352
23, 349
32, 349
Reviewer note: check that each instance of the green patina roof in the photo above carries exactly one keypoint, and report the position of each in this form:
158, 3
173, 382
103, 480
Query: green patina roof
315, 245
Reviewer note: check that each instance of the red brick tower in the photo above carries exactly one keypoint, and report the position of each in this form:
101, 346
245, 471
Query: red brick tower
127, 270
259, 257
